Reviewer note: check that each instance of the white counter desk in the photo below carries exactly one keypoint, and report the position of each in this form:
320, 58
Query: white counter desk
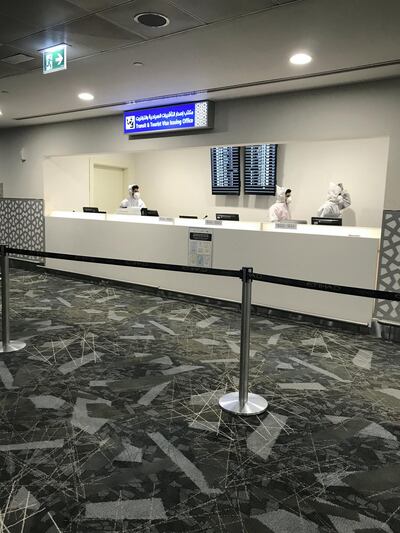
329, 254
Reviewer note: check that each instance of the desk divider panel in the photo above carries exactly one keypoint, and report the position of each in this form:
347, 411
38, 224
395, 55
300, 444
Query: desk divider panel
389, 267
22, 225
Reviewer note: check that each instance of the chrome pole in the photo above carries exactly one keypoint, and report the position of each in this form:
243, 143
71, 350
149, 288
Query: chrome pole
7, 345
243, 402
245, 336
5, 297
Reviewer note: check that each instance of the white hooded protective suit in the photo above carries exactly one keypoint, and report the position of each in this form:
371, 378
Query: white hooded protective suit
280, 209
132, 200
337, 200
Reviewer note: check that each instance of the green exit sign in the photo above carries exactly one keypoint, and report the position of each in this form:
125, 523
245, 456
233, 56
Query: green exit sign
55, 59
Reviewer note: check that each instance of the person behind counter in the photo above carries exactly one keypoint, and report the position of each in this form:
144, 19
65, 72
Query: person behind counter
280, 209
338, 199
133, 199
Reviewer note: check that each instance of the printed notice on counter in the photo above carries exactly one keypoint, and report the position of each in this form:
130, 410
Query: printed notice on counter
200, 247
285, 225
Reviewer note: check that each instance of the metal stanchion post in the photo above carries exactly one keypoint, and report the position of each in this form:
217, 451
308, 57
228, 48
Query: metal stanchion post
7, 345
243, 402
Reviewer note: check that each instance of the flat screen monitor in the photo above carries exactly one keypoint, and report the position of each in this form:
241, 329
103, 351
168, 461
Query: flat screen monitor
225, 170
326, 221
149, 212
90, 209
187, 216
260, 163
227, 216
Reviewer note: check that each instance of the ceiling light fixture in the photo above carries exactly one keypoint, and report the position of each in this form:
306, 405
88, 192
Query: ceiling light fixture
86, 96
300, 59
137, 64
151, 20
1, 112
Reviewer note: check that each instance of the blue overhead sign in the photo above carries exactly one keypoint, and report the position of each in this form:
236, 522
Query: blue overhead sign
176, 117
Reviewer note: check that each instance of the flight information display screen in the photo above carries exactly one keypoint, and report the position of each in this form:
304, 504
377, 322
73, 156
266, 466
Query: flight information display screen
171, 118
260, 163
225, 170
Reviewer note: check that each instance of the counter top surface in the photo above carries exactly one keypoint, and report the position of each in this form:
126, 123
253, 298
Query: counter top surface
304, 229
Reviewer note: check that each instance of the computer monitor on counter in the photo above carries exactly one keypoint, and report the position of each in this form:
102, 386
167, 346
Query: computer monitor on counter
321, 221
149, 212
227, 216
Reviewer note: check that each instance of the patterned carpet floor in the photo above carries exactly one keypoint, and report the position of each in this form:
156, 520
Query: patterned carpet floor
110, 419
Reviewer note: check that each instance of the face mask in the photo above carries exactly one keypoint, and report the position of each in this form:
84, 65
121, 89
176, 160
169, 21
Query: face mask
136, 195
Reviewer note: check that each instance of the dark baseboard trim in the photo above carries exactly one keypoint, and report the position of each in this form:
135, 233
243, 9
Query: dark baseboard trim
313, 320
203, 300
23, 263
385, 330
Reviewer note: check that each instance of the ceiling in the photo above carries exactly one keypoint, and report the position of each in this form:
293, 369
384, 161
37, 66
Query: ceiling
212, 48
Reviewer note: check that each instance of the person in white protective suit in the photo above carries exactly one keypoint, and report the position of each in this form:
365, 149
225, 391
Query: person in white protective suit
338, 199
280, 209
133, 199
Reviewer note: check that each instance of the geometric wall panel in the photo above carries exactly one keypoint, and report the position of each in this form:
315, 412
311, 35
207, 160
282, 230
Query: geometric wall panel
389, 267
22, 225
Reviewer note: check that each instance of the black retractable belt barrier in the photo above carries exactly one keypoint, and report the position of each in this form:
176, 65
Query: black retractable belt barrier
242, 402
326, 287
276, 280
128, 263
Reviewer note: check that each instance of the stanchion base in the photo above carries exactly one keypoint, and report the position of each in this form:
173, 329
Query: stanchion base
255, 404
12, 346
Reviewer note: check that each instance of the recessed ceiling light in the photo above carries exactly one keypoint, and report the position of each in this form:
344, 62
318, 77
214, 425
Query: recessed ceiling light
1, 112
137, 64
86, 96
152, 20
300, 59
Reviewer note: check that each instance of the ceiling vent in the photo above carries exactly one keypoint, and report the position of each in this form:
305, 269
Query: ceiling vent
152, 20
17, 59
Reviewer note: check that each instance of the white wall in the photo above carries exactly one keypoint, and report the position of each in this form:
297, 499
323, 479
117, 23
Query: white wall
178, 181
66, 179
66, 183
125, 161
360, 164
364, 110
